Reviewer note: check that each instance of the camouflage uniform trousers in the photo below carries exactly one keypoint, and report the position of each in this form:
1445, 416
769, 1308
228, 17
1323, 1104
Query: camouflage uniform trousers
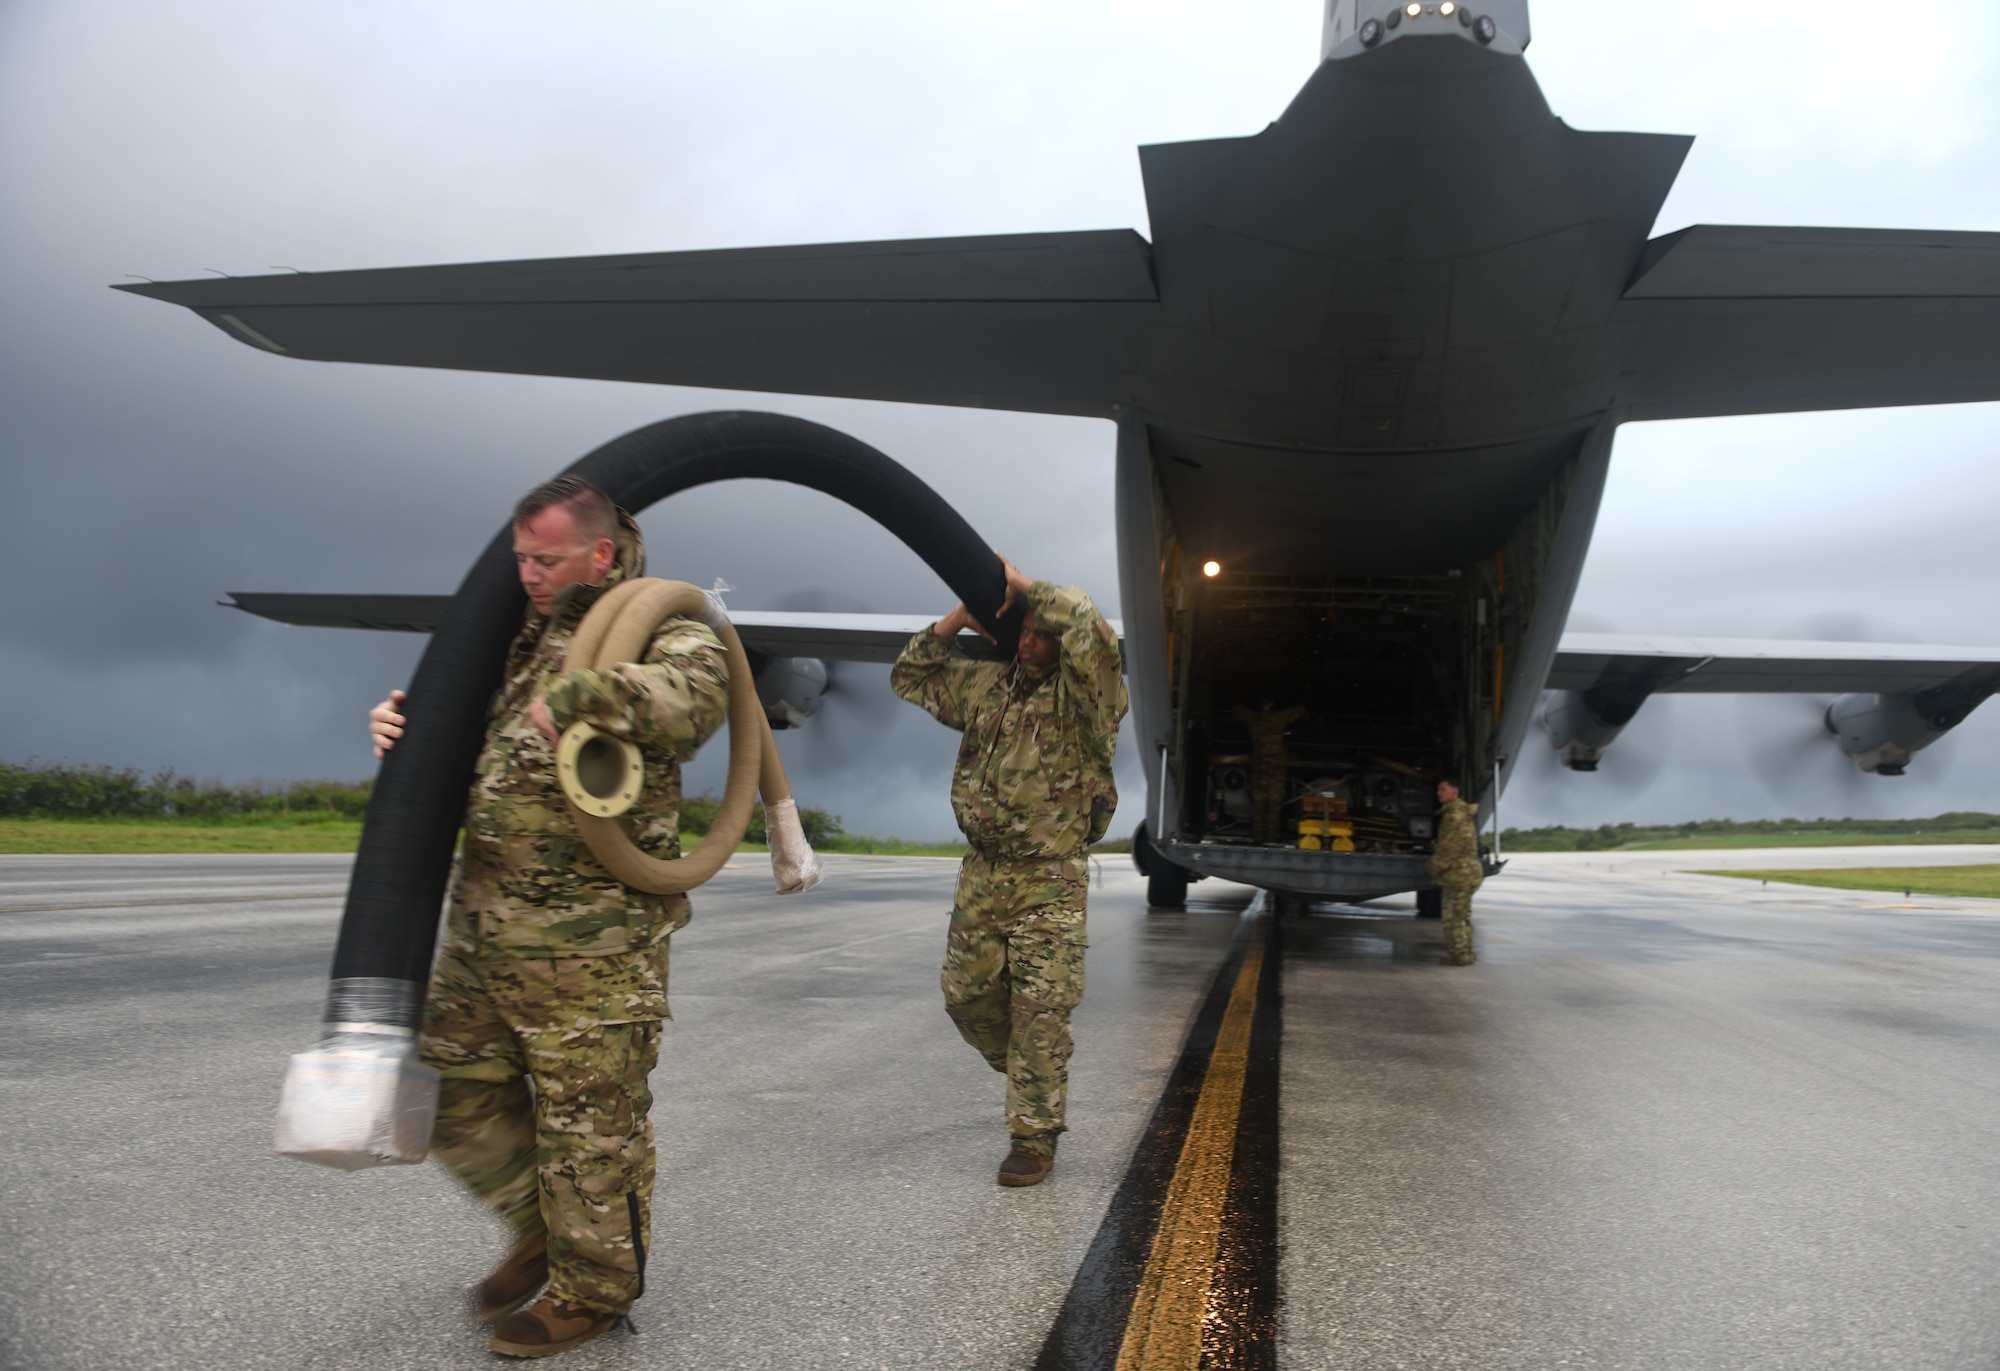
1458, 923
1270, 777
1013, 971
562, 1158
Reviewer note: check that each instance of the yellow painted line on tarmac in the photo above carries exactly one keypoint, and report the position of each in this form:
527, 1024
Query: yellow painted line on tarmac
1163, 1331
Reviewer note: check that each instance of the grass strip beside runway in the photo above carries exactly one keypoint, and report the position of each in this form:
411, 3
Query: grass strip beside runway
305, 833
1947, 837
1982, 882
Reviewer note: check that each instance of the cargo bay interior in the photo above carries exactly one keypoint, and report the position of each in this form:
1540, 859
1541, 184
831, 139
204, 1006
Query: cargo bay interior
1373, 665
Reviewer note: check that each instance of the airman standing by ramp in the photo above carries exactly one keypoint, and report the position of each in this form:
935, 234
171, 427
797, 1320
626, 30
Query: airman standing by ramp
1270, 765
1456, 867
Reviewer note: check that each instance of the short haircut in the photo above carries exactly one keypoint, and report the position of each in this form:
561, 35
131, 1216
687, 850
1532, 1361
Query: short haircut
590, 507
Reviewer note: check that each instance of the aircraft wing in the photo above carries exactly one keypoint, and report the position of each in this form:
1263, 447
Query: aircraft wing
775, 633
1664, 666
1657, 665
830, 637
848, 637
1046, 322
1739, 320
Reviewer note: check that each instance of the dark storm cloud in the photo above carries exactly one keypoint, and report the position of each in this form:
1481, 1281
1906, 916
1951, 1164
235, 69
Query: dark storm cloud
151, 464
154, 465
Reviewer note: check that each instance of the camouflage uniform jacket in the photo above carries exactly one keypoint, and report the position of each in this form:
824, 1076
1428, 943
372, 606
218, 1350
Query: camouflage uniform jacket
1455, 855
1267, 732
527, 884
1033, 777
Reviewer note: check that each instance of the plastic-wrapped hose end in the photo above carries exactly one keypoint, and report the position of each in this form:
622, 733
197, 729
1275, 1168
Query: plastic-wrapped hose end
793, 862
713, 612
361, 1098
358, 1104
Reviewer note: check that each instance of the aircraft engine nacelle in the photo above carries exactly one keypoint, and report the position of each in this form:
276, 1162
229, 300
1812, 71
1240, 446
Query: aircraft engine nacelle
1882, 732
1582, 724
790, 689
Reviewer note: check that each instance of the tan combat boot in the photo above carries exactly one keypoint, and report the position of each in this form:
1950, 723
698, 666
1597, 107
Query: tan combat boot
549, 1326
1027, 1164
515, 1280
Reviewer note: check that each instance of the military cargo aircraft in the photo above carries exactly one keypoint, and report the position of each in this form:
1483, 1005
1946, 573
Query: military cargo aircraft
1366, 377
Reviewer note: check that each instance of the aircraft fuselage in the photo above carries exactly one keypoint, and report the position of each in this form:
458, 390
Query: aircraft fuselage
1380, 394
1369, 367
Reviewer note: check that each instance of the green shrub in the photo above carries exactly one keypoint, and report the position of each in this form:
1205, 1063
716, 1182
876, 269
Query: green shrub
698, 816
81, 792
698, 813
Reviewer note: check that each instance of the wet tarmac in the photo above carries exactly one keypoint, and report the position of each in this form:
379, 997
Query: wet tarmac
1667, 1121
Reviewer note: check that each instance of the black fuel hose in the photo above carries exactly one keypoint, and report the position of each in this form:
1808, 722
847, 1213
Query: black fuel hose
388, 933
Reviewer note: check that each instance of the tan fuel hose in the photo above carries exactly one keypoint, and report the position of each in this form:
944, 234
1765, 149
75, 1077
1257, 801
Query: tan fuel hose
615, 633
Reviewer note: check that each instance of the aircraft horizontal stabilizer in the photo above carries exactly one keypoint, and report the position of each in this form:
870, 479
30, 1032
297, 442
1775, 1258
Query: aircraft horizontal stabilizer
1741, 320
1737, 262
1045, 322
392, 613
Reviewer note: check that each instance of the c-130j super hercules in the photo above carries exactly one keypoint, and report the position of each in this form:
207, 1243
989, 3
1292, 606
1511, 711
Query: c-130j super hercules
1369, 369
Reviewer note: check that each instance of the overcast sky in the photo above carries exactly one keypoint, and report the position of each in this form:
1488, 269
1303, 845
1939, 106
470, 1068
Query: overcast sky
148, 464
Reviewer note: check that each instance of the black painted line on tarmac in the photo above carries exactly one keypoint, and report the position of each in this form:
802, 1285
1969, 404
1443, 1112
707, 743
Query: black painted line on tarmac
1090, 1328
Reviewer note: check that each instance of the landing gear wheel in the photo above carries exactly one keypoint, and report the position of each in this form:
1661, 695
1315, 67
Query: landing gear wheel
1430, 903
1142, 851
1166, 886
